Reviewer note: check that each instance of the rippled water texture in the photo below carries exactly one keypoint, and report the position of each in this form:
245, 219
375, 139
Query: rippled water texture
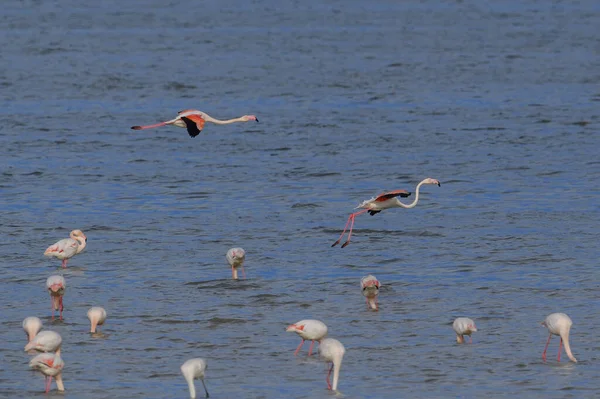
498, 100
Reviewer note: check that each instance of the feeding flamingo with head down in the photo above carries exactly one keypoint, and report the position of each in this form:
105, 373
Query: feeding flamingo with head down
45, 341
312, 330
381, 202
370, 289
463, 326
194, 120
194, 369
32, 325
559, 324
66, 248
235, 258
332, 351
56, 286
97, 316
51, 365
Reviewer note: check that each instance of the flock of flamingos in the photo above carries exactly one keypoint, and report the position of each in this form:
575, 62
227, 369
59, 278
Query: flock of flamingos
331, 350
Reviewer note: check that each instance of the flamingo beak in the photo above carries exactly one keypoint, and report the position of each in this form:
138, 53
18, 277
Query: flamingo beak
439, 184
256, 120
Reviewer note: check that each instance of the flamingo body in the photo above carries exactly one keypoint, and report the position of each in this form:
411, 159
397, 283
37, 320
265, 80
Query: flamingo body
66, 248
463, 326
51, 365
45, 341
559, 324
370, 289
194, 369
97, 316
235, 258
56, 286
381, 202
311, 330
32, 325
333, 351
194, 120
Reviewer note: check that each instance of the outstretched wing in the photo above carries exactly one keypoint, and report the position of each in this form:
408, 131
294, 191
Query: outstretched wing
392, 194
194, 124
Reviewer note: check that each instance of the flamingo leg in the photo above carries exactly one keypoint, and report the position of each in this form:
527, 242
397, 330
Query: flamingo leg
232, 272
559, 349
48, 383
470, 339
61, 307
368, 306
546, 348
328, 374
354, 215
205, 390
149, 126
243, 272
343, 232
52, 306
299, 346
312, 343
64, 263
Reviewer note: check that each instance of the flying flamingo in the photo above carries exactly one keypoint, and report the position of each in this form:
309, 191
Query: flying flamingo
51, 365
559, 324
67, 247
370, 289
45, 341
464, 326
235, 258
32, 325
194, 369
97, 315
56, 286
332, 351
313, 330
381, 202
193, 120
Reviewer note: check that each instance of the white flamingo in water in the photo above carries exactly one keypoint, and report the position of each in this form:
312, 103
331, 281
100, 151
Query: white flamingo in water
194, 369
66, 248
332, 351
32, 325
97, 316
194, 120
235, 258
370, 289
56, 286
559, 324
381, 202
312, 330
51, 365
45, 341
464, 326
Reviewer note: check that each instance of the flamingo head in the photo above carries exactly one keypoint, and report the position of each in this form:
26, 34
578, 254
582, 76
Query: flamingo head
247, 118
472, 327
429, 180
295, 328
56, 287
78, 233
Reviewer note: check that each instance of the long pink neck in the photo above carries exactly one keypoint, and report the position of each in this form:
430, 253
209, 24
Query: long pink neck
209, 118
414, 203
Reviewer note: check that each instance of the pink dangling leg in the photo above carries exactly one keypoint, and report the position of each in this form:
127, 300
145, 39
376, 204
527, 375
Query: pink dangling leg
546, 348
343, 232
299, 346
312, 343
559, 349
354, 215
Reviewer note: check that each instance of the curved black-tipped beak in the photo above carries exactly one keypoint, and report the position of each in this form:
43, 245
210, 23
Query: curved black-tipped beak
439, 184
86, 239
256, 120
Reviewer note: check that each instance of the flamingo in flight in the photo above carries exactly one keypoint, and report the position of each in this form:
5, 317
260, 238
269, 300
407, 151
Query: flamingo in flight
313, 330
235, 258
56, 286
32, 325
559, 324
97, 316
66, 248
194, 369
332, 351
464, 326
381, 202
370, 289
194, 120
51, 365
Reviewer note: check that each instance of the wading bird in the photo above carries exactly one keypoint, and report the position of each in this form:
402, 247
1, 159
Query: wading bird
370, 289
464, 326
559, 324
66, 248
32, 326
97, 315
56, 286
51, 365
194, 120
312, 330
45, 341
235, 258
332, 351
381, 202
194, 369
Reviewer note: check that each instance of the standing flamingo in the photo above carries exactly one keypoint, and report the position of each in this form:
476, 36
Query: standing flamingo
45, 341
559, 324
381, 202
194, 369
51, 365
463, 326
332, 351
313, 330
32, 325
97, 315
56, 286
66, 248
235, 258
370, 289
193, 120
